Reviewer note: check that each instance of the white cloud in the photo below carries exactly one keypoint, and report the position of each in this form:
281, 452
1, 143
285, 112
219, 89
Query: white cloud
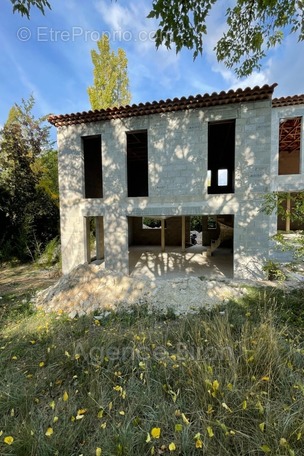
287, 67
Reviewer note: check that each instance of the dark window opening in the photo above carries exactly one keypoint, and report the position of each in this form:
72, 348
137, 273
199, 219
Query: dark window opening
92, 166
221, 156
149, 223
95, 238
289, 145
137, 163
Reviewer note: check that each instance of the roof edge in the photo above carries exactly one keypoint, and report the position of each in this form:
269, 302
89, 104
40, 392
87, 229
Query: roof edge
288, 101
177, 104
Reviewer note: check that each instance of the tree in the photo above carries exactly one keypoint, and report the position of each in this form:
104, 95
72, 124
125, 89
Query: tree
111, 80
24, 6
254, 26
29, 215
46, 167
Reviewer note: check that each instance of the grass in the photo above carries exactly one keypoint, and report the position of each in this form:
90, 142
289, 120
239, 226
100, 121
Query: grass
225, 382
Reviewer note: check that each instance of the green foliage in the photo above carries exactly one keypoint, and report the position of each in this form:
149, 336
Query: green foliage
46, 167
253, 28
196, 223
276, 202
51, 253
24, 6
111, 82
28, 210
273, 271
220, 383
151, 222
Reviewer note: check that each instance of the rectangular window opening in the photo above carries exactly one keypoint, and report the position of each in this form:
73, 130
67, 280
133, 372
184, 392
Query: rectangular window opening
212, 222
137, 163
289, 216
149, 223
222, 177
95, 238
290, 145
91, 146
221, 157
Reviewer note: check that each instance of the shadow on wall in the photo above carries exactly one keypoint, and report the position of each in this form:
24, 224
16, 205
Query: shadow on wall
177, 152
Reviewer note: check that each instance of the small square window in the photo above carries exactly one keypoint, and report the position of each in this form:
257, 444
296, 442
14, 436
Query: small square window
222, 177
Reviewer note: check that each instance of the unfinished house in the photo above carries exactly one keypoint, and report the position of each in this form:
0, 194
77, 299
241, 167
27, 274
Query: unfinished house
135, 178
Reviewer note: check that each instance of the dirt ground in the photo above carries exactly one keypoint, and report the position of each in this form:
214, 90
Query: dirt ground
22, 279
88, 288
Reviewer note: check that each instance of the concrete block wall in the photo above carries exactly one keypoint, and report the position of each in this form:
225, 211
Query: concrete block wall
177, 157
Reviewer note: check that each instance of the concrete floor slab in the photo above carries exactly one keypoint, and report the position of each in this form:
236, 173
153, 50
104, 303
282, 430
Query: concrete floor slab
150, 262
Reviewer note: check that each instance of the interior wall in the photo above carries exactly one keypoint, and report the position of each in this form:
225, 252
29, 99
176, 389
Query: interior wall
213, 234
173, 232
290, 146
289, 162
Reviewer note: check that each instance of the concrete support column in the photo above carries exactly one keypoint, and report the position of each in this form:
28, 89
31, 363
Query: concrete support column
288, 210
86, 240
116, 250
99, 238
183, 233
162, 235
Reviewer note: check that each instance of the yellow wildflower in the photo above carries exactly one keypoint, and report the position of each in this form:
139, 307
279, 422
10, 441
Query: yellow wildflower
8, 440
155, 433
49, 432
172, 446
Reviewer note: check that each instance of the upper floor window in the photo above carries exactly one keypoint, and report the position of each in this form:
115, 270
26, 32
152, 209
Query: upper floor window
221, 156
137, 163
290, 146
91, 146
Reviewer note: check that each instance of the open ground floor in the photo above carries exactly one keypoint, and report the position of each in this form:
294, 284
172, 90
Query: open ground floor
139, 241
151, 262
168, 247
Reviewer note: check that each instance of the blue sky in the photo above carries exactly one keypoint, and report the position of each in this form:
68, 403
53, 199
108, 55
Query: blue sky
49, 57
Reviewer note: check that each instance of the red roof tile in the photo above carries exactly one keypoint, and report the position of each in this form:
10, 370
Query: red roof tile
156, 107
288, 101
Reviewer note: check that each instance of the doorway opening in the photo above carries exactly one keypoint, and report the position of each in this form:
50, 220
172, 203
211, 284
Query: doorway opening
94, 239
170, 250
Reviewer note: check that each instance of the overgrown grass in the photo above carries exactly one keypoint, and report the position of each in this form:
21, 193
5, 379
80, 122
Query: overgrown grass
225, 382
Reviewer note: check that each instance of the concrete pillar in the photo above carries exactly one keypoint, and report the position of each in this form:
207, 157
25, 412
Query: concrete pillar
116, 248
183, 233
86, 240
288, 210
162, 235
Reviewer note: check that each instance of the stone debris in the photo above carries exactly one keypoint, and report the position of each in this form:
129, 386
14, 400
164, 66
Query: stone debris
89, 288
